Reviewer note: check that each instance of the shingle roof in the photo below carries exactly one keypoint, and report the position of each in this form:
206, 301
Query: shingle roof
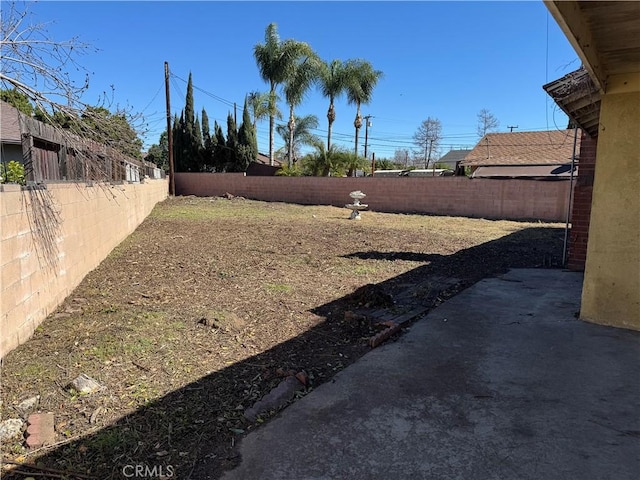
579, 98
553, 147
264, 159
9, 123
453, 156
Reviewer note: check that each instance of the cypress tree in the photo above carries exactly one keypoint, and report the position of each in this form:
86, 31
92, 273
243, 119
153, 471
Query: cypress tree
248, 144
190, 144
219, 149
180, 145
208, 143
231, 163
189, 112
198, 144
197, 147
174, 134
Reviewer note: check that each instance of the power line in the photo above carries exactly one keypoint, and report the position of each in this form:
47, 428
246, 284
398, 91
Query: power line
212, 95
154, 97
387, 142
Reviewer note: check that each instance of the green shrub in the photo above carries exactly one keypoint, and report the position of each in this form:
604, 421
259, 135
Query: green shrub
12, 172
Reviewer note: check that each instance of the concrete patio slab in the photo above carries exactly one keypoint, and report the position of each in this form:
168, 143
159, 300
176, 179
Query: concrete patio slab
500, 382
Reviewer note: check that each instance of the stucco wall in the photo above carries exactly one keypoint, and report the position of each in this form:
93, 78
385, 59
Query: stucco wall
51, 238
486, 198
611, 291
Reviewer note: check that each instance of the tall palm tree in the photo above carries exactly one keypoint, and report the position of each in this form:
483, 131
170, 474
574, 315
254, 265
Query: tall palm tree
302, 135
362, 80
333, 82
275, 59
301, 76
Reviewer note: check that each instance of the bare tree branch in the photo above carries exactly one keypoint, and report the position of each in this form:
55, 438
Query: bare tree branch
487, 122
427, 138
40, 67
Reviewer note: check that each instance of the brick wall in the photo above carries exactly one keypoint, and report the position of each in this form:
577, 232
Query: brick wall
485, 198
51, 238
581, 211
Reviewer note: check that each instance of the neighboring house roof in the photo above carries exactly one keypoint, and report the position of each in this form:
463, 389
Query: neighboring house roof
546, 172
259, 169
579, 98
9, 124
553, 147
454, 156
264, 159
13, 123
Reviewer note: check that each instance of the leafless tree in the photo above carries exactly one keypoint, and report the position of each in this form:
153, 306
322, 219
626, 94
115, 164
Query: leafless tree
401, 157
39, 67
427, 138
487, 122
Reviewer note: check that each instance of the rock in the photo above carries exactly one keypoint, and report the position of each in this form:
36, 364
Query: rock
285, 373
302, 377
29, 403
94, 416
10, 429
275, 399
85, 384
350, 316
229, 322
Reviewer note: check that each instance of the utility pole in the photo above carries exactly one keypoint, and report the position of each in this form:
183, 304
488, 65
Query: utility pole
373, 164
366, 133
426, 146
429, 158
172, 182
511, 128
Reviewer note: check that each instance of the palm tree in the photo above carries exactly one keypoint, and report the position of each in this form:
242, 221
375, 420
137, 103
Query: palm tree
333, 82
362, 79
302, 135
324, 161
303, 73
275, 60
258, 105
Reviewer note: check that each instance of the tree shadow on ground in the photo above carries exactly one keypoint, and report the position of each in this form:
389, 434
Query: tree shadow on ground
191, 432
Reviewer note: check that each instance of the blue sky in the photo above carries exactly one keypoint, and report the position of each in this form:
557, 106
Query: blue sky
445, 60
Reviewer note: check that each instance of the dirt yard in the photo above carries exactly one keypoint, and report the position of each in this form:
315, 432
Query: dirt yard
209, 305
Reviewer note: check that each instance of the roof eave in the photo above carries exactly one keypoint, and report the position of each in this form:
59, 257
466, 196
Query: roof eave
579, 98
573, 23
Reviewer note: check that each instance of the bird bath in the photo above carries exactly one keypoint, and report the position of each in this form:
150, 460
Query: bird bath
356, 206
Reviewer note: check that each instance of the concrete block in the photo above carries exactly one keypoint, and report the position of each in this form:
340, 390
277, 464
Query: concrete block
40, 430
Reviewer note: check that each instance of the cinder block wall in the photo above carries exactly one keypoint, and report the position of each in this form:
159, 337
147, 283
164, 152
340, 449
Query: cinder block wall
51, 238
484, 198
581, 209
